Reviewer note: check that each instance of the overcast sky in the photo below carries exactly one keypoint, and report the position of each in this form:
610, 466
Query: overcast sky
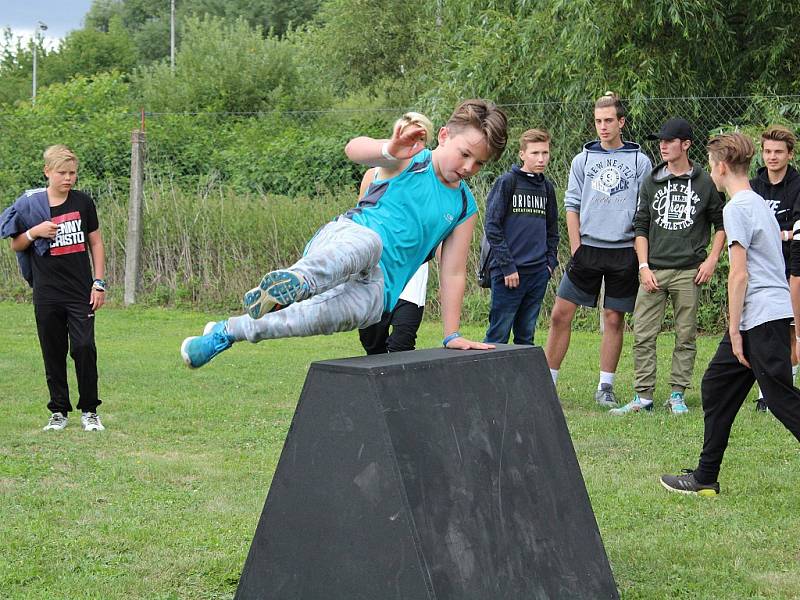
60, 16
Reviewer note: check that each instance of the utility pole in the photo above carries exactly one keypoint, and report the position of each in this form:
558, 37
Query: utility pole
40, 26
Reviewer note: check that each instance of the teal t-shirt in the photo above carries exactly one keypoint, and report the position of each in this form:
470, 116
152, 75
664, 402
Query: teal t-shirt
412, 213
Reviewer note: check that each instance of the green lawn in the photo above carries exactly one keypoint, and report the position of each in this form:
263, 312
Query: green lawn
164, 503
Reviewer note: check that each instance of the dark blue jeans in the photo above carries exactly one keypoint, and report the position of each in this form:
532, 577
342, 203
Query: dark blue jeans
516, 308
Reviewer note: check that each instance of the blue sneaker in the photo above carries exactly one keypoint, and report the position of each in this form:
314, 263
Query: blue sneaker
198, 350
634, 406
677, 406
277, 290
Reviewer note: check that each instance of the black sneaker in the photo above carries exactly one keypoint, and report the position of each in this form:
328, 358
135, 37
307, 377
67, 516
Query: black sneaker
685, 483
761, 406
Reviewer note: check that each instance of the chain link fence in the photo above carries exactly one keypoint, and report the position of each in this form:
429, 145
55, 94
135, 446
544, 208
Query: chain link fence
227, 196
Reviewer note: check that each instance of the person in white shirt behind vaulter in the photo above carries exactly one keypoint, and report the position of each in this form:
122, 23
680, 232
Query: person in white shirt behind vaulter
757, 346
405, 318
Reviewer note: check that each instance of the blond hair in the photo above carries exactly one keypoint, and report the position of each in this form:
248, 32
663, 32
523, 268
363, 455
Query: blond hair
484, 116
415, 118
611, 99
734, 149
57, 155
533, 136
779, 133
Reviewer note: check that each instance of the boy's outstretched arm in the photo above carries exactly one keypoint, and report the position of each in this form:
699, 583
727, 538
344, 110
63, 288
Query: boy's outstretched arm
453, 282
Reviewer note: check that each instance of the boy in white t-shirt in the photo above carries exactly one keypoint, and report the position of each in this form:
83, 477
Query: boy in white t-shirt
757, 346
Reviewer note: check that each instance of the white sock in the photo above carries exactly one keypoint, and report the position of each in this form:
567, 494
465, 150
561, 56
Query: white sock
605, 377
794, 372
760, 395
554, 375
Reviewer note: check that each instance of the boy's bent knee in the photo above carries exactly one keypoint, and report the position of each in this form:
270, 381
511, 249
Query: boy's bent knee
562, 314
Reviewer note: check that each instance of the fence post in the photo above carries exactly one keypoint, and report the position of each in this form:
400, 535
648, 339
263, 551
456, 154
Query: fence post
133, 244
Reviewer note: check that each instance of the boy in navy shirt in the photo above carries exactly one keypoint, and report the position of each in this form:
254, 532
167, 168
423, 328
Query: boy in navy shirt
522, 230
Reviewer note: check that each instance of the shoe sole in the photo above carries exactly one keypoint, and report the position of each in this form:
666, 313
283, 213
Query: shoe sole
94, 428
608, 404
617, 412
48, 428
705, 493
185, 355
277, 290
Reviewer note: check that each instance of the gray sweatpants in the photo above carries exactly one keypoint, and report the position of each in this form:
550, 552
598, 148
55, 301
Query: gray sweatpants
340, 265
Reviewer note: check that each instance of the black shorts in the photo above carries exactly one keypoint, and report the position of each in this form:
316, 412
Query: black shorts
587, 269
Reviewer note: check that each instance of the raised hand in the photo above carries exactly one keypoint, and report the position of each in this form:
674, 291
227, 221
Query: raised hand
406, 141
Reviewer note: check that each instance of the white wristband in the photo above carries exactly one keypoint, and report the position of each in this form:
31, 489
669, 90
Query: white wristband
28, 235
643, 266
385, 152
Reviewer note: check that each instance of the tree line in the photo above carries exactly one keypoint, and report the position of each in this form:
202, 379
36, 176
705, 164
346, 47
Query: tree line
257, 55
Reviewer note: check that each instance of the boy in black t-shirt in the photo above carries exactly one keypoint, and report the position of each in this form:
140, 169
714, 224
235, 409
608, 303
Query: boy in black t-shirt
53, 231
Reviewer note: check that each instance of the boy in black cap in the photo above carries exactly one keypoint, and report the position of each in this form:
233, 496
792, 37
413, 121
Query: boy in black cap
678, 206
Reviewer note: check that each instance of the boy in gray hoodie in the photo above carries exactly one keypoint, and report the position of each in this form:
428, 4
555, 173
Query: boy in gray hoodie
678, 206
600, 203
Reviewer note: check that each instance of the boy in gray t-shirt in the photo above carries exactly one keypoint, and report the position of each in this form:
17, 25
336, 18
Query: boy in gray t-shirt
749, 222
757, 345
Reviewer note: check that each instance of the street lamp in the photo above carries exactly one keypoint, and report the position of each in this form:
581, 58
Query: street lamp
40, 27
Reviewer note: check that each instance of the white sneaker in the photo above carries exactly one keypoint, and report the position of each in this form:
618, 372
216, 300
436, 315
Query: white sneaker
57, 422
91, 422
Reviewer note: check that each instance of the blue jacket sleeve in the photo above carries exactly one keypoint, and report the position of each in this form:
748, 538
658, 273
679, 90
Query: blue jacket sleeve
10, 222
496, 209
552, 227
26, 212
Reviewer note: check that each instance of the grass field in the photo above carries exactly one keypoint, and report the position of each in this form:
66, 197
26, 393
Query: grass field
164, 503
